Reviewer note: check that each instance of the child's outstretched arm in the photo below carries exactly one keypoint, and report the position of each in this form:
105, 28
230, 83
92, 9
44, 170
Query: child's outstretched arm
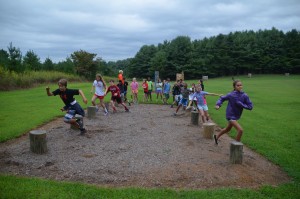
83, 97
215, 94
48, 91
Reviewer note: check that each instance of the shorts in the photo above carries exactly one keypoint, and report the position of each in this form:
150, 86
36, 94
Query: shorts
177, 98
183, 102
149, 92
202, 107
117, 99
146, 92
77, 108
159, 90
135, 91
167, 95
99, 96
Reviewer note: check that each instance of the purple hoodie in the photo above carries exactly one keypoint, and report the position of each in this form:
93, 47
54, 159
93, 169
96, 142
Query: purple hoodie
237, 101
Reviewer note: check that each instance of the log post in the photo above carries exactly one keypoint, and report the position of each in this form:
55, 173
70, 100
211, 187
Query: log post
38, 142
208, 130
91, 111
236, 152
76, 117
195, 117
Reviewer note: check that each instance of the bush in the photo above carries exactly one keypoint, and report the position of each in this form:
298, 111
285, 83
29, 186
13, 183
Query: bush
10, 80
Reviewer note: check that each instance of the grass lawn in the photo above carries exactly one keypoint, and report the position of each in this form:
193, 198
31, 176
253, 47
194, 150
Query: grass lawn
271, 129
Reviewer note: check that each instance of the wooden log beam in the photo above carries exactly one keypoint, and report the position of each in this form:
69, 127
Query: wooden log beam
195, 117
208, 130
91, 112
236, 152
38, 141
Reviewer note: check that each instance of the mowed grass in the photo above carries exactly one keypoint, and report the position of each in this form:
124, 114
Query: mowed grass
271, 129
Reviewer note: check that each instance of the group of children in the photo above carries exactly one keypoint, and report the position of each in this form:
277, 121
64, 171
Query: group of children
237, 99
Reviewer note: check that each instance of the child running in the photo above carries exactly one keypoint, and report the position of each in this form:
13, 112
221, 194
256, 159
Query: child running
71, 106
184, 99
201, 102
115, 96
99, 86
237, 101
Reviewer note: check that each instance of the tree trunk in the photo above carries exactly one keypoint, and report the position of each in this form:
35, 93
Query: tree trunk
236, 152
91, 112
195, 117
38, 142
208, 130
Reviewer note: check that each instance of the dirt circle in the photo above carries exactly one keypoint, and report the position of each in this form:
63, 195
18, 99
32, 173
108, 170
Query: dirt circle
147, 147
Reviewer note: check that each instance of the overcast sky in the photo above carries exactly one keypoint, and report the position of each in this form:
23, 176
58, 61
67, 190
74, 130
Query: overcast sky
117, 29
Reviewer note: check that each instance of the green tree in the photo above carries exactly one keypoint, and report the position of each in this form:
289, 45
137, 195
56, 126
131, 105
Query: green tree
15, 59
4, 58
31, 61
48, 64
84, 63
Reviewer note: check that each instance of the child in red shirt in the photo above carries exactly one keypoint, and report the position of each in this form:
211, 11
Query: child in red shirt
145, 87
115, 95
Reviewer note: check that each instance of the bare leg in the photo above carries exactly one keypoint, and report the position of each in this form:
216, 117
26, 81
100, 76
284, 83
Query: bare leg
225, 130
239, 130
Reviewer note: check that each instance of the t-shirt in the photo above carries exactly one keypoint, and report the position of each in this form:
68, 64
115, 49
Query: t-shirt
167, 87
185, 93
145, 86
150, 85
114, 89
99, 88
200, 97
134, 85
67, 96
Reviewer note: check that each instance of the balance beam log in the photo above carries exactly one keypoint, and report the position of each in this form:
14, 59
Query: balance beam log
208, 130
74, 126
194, 117
91, 112
236, 152
38, 142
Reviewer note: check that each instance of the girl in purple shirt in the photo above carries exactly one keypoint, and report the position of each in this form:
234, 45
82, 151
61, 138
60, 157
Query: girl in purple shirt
237, 101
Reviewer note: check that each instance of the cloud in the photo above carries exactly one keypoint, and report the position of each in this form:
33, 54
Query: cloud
117, 29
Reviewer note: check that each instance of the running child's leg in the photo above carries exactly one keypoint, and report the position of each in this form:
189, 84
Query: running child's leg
238, 128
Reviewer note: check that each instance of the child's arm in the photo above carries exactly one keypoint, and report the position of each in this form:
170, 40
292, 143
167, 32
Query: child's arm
221, 100
83, 97
214, 94
48, 91
92, 90
247, 105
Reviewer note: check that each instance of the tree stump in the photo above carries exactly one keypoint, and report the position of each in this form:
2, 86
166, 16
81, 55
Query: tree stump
236, 152
208, 130
76, 117
91, 111
195, 117
38, 142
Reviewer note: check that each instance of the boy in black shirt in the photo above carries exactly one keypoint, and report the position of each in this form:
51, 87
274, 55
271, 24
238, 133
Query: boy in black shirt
71, 106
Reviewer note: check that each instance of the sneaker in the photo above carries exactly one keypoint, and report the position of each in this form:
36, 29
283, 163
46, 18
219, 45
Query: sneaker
106, 113
126, 110
172, 106
97, 108
82, 131
174, 114
216, 140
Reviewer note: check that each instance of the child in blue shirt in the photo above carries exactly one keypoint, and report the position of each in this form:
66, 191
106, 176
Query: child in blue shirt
199, 95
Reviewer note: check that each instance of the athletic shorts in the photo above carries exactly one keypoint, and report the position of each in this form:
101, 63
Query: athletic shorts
116, 99
202, 107
99, 97
183, 102
167, 95
135, 91
159, 90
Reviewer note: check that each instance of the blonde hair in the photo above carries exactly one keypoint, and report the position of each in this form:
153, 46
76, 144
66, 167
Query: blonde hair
120, 71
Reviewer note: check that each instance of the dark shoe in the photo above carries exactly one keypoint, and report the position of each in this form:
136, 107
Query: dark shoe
82, 131
126, 110
216, 140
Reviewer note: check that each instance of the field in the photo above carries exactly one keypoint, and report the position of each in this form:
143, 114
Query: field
270, 129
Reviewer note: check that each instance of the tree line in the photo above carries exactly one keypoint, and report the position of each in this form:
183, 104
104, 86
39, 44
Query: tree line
262, 52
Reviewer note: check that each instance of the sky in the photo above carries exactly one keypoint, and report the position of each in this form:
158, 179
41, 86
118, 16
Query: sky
117, 29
